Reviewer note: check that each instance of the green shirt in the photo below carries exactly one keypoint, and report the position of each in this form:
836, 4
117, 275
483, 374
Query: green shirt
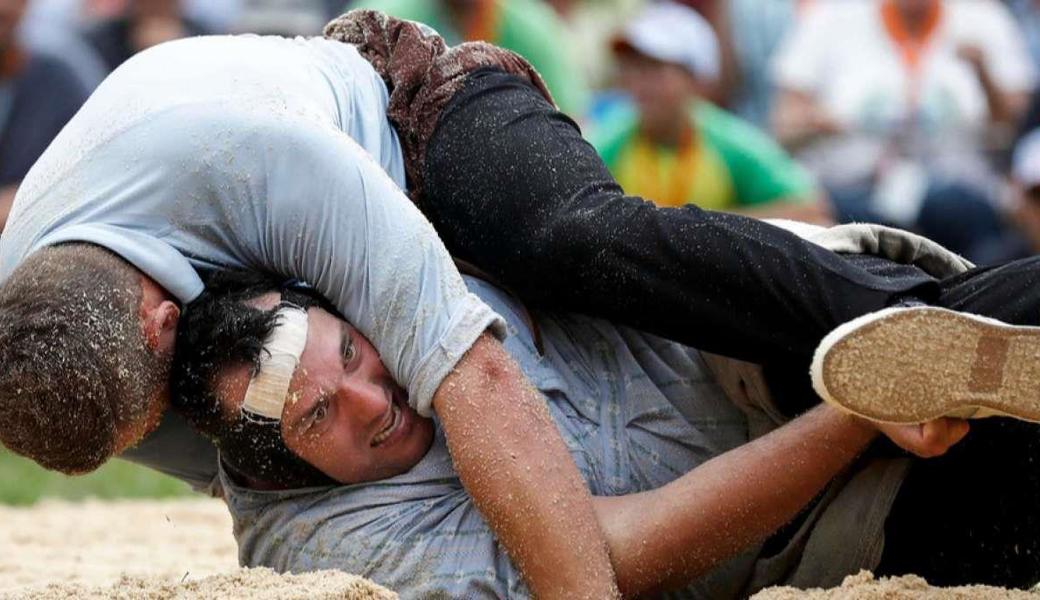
529, 28
756, 170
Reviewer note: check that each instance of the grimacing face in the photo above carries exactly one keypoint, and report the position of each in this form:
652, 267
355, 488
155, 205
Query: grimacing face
345, 415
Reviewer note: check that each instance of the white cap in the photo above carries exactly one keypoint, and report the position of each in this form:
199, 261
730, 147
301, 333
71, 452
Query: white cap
673, 33
1025, 162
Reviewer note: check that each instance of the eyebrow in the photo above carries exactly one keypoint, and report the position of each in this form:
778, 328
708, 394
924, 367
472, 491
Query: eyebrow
306, 420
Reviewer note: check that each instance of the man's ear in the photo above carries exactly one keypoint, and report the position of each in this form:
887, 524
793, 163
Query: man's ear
159, 326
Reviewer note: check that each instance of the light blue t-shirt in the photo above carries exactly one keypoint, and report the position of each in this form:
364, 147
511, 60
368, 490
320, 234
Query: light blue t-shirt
261, 153
635, 411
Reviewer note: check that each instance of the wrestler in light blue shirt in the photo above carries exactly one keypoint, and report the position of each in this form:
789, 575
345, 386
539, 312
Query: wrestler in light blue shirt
259, 153
635, 411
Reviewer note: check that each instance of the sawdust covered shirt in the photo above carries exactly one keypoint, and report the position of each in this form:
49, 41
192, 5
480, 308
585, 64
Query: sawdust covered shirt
259, 153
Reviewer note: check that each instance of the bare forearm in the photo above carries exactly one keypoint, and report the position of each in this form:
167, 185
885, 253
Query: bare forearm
512, 461
1004, 108
667, 537
1000, 106
729, 73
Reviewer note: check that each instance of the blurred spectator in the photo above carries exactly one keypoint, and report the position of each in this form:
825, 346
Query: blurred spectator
678, 148
750, 32
892, 104
231, 16
129, 26
1025, 192
39, 93
216, 16
1027, 14
54, 27
704, 7
281, 17
588, 26
527, 27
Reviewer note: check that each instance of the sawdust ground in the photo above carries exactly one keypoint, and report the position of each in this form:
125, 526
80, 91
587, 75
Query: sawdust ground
180, 549
144, 550
863, 586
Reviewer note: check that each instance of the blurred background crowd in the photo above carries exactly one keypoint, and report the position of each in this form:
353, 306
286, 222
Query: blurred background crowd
921, 114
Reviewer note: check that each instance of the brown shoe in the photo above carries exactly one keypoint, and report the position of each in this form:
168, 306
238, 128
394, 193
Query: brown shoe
911, 365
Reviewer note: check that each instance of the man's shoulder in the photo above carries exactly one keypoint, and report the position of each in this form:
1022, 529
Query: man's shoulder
761, 168
736, 139
46, 64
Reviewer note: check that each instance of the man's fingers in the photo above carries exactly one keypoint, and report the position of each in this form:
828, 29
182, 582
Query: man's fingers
940, 435
934, 434
961, 429
929, 439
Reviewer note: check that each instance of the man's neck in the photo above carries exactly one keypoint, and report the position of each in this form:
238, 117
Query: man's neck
672, 132
918, 21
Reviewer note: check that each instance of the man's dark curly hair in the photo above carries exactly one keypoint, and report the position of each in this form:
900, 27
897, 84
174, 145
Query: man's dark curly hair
217, 331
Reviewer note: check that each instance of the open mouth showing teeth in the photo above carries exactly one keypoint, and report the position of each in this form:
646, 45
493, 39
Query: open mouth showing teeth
395, 420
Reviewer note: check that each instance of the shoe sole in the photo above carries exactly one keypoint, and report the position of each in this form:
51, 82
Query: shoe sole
911, 365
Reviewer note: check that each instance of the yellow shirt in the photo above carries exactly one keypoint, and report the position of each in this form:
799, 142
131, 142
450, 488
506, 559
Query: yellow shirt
676, 176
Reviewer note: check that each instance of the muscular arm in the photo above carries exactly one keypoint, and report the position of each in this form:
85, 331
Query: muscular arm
363, 245
669, 536
1004, 107
516, 468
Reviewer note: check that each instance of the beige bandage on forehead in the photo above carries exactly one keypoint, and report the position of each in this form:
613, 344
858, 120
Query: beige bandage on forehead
268, 390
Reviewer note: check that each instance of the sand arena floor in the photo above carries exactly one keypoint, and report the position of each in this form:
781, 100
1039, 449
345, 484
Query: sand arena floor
180, 549
144, 550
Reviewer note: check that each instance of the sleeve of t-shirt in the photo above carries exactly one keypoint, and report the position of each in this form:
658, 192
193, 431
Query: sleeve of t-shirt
338, 222
801, 58
1004, 47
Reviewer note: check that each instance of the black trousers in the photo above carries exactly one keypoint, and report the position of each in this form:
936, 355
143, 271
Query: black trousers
513, 188
973, 515
970, 516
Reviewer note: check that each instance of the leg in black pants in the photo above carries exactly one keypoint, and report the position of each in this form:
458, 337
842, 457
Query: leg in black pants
971, 516
513, 188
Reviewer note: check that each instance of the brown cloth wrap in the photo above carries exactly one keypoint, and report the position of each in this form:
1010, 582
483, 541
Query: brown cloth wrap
422, 75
